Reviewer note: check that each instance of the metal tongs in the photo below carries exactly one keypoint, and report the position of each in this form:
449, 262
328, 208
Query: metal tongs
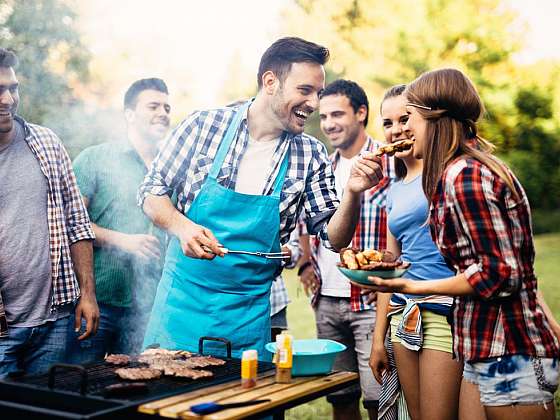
269, 255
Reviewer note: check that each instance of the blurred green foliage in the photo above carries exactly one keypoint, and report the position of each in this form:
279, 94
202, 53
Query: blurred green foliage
53, 65
379, 44
374, 42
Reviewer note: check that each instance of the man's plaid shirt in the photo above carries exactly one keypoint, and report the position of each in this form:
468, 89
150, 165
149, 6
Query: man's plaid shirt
186, 157
485, 232
371, 231
67, 216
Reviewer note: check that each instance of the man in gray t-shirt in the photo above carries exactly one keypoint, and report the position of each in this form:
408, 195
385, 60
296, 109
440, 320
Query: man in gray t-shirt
45, 241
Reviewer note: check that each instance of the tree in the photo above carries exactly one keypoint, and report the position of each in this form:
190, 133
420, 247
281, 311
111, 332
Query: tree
53, 65
379, 44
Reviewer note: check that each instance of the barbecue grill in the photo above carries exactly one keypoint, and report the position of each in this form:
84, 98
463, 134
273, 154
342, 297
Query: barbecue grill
79, 392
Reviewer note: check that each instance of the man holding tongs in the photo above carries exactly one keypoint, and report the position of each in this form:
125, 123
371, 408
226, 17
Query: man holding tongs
242, 176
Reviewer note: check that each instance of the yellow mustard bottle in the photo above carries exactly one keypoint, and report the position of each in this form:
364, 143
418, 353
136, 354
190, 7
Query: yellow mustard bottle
284, 357
249, 365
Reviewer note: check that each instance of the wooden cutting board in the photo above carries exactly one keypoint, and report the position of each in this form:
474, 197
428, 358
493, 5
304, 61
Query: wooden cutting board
281, 396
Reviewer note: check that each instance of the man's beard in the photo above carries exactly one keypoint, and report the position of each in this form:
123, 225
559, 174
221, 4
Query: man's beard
350, 140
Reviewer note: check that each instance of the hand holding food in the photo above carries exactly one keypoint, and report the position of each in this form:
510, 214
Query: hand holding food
366, 173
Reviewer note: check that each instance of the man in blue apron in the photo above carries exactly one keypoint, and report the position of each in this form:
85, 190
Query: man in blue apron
242, 176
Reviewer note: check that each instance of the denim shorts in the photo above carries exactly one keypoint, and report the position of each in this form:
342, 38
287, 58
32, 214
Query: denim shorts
514, 379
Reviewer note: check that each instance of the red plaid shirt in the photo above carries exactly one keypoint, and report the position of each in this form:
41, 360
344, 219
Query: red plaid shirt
371, 231
67, 216
486, 233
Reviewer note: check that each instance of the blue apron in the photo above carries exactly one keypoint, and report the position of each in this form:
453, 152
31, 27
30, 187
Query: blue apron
225, 297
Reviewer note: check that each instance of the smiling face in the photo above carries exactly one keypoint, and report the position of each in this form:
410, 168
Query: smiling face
294, 99
9, 100
339, 122
150, 116
418, 127
395, 117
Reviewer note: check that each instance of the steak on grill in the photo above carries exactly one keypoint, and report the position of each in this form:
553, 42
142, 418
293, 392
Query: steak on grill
204, 361
171, 354
185, 372
118, 359
125, 389
138, 374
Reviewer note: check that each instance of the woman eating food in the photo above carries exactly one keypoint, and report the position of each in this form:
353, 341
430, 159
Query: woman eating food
481, 221
420, 335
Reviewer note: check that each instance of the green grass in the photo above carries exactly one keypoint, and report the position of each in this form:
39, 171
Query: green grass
302, 321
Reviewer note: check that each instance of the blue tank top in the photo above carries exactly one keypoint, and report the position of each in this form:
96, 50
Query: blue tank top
407, 213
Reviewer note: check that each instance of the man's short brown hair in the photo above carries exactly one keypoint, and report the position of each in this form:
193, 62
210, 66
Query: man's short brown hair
8, 58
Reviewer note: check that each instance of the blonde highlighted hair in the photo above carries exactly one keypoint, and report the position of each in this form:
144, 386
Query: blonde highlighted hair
451, 105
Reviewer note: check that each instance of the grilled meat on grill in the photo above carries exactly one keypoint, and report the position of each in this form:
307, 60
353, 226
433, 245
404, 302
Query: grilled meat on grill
203, 361
138, 374
166, 353
162, 364
125, 389
186, 372
118, 359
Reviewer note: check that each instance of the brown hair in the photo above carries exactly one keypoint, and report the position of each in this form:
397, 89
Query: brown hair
8, 58
280, 56
392, 92
454, 109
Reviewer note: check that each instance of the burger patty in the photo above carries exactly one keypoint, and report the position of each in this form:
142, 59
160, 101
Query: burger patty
204, 361
166, 353
136, 374
185, 372
118, 359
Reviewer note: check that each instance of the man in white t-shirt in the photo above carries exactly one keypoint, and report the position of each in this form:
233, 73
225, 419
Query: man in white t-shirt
341, 312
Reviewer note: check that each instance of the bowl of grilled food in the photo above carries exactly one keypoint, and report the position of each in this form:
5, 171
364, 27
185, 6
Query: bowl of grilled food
358, 265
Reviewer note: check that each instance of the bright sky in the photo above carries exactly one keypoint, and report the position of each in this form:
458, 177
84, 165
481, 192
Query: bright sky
192, 43
543, 35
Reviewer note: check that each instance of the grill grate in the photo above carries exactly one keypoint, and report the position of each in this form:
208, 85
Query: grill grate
101, 374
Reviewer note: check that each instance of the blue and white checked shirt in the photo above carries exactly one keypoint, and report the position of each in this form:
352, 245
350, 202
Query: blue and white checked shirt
279, 298
186, 157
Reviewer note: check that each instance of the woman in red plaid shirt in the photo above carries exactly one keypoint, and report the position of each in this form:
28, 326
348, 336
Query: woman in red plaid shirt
481, 221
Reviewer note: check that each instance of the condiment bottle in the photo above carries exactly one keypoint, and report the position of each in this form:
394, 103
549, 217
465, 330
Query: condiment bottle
283, 358
249, 364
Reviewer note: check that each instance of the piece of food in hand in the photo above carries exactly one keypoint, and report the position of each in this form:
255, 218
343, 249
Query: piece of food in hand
138, 374
348, 258
118, 359
392, 148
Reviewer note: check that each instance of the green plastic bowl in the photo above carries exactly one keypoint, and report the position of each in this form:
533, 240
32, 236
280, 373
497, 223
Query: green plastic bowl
361, 276
313, 356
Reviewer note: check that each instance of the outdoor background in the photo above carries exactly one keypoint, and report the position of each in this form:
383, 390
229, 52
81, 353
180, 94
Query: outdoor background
79, 57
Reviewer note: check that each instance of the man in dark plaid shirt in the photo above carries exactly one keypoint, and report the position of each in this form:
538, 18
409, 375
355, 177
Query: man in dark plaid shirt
45, 241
